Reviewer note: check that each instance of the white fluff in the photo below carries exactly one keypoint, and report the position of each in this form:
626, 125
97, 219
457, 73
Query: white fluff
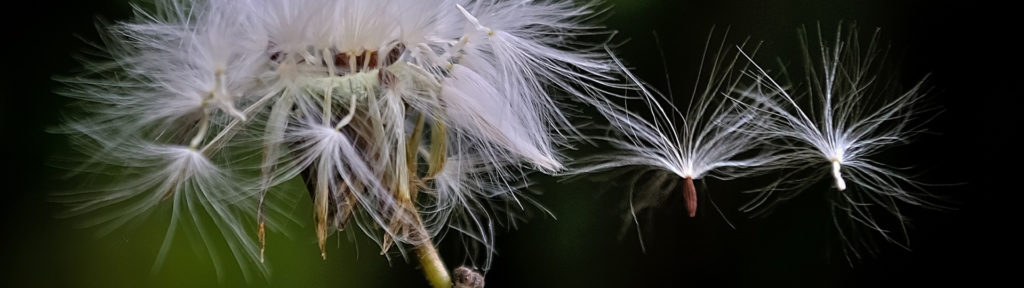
195, 188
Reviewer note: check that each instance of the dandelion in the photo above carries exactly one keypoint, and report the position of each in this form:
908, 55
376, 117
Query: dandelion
410, 118
674, 148
854, 113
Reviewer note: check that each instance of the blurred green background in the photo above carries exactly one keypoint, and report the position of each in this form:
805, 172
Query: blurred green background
963, 46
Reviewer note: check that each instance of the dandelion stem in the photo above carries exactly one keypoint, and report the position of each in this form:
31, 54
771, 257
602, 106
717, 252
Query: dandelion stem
433, 267
690, 194
426, 253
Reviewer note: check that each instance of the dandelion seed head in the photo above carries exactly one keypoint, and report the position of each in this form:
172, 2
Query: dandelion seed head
352, 96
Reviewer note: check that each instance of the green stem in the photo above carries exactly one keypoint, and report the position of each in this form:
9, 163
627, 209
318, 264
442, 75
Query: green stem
426, 253
433, 267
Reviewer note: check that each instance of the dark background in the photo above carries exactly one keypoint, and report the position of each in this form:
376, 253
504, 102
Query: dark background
965, 48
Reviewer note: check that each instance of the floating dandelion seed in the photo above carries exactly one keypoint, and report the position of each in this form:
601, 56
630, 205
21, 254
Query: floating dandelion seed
855, 112
708, 139
356, 97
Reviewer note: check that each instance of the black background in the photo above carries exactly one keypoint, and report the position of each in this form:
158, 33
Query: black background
965, 46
